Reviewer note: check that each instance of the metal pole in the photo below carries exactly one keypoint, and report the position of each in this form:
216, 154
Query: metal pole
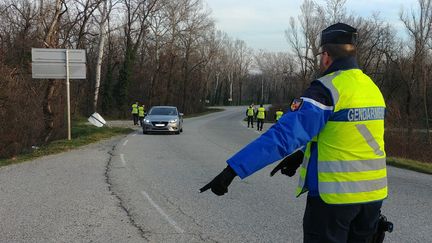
68, 95
231, 91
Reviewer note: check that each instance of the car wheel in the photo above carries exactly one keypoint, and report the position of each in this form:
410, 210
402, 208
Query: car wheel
181, 129
145, 132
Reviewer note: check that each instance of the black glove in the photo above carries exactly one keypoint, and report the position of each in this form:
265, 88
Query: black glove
219, 185
289, 165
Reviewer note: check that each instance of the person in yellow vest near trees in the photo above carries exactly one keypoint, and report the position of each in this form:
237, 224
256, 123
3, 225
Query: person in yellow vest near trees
335, 131
260, 117
250, 111
278, 114
141, 113
135, 113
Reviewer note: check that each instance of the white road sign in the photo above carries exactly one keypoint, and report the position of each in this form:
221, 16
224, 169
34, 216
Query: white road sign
58, 70
59, 64
51, 63
58, 55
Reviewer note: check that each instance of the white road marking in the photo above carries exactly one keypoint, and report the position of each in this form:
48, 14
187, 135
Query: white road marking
125, 142
170, 220
133, 135
259, 132
122, 159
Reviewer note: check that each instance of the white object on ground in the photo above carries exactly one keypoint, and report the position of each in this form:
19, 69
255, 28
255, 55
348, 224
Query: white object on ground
97, 120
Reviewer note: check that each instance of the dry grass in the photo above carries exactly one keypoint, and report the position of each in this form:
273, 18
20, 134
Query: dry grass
410, 164
82, 134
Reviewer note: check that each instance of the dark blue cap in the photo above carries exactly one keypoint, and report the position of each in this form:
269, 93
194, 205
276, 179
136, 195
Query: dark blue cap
339, 34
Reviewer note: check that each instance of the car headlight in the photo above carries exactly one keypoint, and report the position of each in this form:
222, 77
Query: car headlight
173, 121
146, 120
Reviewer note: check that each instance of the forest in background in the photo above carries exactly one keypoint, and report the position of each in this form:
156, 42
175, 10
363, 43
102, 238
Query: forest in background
162, 52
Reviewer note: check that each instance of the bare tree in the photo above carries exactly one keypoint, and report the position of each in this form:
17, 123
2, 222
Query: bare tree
335, 10
135, 27
51, 40
104, 11
194, 28
304, 41
419, 26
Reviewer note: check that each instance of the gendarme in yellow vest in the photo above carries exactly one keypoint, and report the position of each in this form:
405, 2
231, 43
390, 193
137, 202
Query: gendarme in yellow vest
278, 115
141, 111
351, 157
250, 111
261, 113
134, 109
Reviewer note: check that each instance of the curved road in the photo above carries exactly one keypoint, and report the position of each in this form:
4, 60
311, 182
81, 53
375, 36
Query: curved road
158, 177
145, 188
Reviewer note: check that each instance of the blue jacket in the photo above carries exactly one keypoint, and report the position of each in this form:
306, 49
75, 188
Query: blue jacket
292, 132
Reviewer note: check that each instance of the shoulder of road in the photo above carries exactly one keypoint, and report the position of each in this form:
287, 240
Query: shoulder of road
83, 133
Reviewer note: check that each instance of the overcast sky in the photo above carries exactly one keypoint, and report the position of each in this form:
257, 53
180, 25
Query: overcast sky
262, 23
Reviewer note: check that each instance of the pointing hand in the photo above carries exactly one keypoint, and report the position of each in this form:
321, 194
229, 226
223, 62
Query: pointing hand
289, 165
219, 185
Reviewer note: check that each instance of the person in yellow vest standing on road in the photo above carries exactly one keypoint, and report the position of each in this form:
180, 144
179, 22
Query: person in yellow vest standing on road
250, 111
141, 113
278, 114
135, 113
335, 131
260, 117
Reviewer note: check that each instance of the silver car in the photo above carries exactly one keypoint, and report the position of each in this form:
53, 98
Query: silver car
163, 119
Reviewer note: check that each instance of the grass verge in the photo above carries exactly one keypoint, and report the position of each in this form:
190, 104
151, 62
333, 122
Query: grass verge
410, 164
82, 134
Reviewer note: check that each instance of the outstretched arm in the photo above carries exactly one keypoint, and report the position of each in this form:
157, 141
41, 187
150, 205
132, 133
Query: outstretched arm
293, 130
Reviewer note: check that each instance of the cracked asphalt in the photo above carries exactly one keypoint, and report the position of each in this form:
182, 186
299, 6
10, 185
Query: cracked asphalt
144, 188
63, 198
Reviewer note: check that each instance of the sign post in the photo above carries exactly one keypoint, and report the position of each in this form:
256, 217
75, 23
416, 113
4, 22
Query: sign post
68, 95
59, 64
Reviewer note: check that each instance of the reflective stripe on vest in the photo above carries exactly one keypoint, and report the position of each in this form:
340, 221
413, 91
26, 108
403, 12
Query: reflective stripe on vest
350, 148
250, 111
278, 115
261, 113
302, 177
134, 109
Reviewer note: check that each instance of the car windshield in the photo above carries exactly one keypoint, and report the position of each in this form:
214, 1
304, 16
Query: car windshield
163, 111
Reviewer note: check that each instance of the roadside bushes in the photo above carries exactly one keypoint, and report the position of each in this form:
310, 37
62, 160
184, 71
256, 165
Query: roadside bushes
21, 112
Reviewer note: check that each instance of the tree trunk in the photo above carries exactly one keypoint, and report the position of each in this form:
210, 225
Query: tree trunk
47, 110
185, 78
240, 92
51, 41
425, 102
215, 98
100, 54
169, 80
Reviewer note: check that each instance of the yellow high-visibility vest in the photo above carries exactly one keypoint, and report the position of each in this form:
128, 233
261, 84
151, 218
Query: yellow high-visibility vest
141, 111
278, 115
134, 109
250, 111
351, 159
261, 113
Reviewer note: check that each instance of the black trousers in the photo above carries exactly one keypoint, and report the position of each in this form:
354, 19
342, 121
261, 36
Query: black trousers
260, 122
250, 120
141, 119
135, 119
339, 223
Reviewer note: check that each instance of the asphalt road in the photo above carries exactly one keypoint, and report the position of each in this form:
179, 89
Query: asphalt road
144, 188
